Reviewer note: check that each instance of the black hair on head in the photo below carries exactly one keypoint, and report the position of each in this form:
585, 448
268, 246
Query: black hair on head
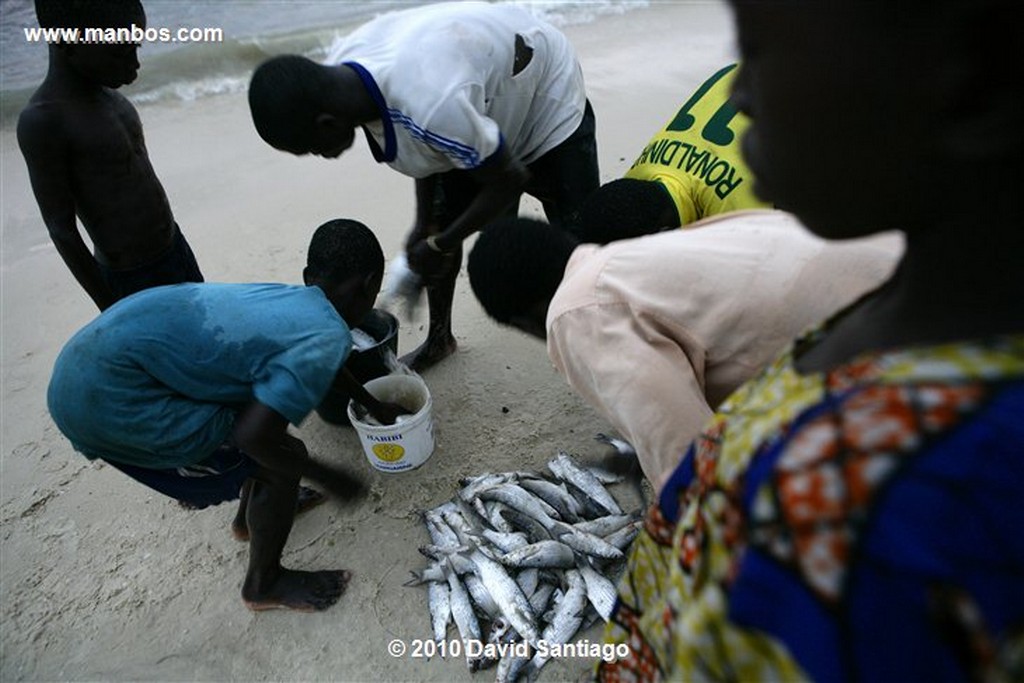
341, 248
285, 95
626, 208
517, 263
82, 14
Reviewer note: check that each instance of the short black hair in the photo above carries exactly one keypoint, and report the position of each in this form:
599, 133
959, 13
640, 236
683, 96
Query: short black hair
341, 248
626, 208
285, 97
517, 263
82, 14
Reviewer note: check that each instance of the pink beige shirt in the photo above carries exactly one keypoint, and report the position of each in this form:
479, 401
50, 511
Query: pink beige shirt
655, 332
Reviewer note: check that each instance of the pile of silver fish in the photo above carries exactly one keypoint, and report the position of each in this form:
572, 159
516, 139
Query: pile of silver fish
524, 557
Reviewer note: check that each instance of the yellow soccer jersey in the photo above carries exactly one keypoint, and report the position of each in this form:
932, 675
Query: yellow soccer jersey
696, 157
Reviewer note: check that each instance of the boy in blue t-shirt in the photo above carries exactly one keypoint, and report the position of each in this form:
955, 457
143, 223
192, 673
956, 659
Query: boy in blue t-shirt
190, 388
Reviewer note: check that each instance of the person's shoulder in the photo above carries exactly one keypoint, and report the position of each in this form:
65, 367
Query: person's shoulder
41, 121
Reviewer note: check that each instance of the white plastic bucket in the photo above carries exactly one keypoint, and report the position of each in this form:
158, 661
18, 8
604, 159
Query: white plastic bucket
410, 441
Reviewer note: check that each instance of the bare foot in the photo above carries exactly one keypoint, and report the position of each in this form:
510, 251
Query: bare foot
430, 352
301, 591
308, 499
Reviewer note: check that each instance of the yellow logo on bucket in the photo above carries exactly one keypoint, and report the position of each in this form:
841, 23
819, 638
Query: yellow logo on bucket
388, 452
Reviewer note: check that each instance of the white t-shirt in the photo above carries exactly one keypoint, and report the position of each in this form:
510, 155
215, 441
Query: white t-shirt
442, 77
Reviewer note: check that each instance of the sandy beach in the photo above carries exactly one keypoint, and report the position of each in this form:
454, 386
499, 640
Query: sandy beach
101, 579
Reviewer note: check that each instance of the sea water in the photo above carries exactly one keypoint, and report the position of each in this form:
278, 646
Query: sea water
253, 30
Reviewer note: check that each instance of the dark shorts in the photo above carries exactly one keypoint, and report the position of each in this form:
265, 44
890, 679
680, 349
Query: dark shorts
173, 267
212, 481
562, 179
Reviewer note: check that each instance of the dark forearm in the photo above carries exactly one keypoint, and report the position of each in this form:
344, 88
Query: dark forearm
46, 156
83, 266
383, 412
487, 206
354, 388
498, 191
261, 433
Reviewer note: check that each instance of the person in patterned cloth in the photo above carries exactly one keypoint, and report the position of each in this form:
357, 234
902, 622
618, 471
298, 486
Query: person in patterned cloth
855, 512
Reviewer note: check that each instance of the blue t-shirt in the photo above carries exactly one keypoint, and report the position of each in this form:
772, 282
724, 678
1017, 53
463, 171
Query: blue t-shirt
157, 379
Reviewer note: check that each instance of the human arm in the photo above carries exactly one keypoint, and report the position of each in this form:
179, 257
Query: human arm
426, 224
501, 179
259, 431
46, 156
382, 411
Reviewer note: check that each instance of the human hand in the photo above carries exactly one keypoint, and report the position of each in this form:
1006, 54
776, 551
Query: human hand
429, 263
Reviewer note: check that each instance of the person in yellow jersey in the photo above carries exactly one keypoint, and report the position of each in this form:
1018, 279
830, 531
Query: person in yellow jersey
691, 169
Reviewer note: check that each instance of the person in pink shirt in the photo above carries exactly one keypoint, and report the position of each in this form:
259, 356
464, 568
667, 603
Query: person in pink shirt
655, 332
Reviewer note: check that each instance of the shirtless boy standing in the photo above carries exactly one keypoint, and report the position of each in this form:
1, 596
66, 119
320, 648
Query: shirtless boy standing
86, 157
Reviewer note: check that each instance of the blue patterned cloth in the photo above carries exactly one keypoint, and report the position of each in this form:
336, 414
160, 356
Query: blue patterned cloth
860, 524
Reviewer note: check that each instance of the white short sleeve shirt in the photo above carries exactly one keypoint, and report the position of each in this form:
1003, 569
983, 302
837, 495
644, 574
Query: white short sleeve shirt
442, 76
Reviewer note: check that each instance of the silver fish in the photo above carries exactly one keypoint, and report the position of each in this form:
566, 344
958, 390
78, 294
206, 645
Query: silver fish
509, 668
541, 597
534, 530
527, 580
459, 562
438, 601
440, 533
604, 475
600, 591
602, 526
506, 593
499, 633
479, 507
498, 523
522, 500
471, 516
565, 468
458, 524
481, 598
621, 538
462, 613
624, 448
472, 487
506, 543
584, 542
550, 530
540, 554
431, 573
555, 496
567, 617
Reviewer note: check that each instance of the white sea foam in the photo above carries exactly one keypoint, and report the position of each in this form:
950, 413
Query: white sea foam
251, 34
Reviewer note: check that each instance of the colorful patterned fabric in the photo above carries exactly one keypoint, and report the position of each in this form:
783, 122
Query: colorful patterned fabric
864, 524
